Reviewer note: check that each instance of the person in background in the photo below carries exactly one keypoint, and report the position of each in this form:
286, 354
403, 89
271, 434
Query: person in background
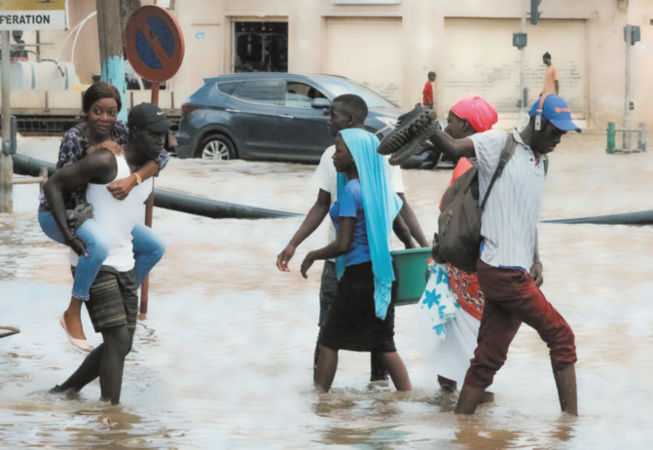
362, 316
18, 52
551, 83
428, 93
347, 111
113, 302
101, 103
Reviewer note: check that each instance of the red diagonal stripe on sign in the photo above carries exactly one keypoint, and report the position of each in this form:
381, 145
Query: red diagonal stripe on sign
155, 44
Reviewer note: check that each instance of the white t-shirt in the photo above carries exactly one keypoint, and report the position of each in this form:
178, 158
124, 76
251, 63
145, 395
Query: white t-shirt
116, 218
326, 178
509, 223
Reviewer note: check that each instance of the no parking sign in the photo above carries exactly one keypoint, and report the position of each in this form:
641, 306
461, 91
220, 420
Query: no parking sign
154, 43
155, 49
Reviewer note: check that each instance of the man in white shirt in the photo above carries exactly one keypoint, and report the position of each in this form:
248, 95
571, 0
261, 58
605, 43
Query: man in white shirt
507, 262
113, 302
347, 111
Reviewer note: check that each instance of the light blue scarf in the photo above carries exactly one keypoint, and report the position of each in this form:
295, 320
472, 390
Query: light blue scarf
381, 205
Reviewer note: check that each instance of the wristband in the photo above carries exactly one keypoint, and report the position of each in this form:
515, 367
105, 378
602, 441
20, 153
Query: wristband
139, 180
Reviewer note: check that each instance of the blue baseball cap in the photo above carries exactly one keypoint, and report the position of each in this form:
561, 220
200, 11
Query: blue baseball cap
556, 111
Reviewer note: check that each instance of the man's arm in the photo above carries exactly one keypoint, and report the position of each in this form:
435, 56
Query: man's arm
100, 167
313, 219
402, 232
557, 83
455, 148
120, 189
536, 268
409, 217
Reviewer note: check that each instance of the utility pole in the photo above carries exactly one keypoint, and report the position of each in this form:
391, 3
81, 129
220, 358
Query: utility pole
6, 163
631, 36
112, 63
522, 82
520, 40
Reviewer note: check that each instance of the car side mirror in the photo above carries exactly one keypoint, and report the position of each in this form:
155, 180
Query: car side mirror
321, 103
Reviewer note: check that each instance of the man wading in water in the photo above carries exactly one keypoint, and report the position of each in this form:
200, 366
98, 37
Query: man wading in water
113, 302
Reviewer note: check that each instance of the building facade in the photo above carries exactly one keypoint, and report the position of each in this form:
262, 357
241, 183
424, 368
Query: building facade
391, 45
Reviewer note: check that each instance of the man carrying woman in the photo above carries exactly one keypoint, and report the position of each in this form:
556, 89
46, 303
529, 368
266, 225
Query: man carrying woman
113, 300
101, 104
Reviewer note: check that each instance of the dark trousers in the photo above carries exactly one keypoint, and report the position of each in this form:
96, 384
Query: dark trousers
511, 298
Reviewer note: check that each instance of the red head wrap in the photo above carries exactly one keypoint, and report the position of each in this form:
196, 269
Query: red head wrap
480, 114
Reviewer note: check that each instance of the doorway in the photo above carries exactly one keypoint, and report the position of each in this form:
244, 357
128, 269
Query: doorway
261, 47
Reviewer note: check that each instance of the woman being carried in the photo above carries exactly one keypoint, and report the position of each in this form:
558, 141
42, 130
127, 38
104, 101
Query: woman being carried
100, 128
362, 316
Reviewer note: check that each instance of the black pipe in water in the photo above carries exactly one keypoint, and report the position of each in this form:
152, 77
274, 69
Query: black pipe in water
634, 218
25, 165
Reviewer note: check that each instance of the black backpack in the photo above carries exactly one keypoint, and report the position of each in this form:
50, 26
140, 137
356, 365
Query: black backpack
458, 241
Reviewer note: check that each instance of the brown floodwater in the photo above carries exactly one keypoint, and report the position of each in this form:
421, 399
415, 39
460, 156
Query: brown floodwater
224, 357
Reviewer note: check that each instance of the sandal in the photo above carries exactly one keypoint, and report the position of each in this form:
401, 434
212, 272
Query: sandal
412, 129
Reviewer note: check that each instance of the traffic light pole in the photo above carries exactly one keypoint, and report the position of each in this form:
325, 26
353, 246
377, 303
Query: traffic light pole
627, 119
522, 82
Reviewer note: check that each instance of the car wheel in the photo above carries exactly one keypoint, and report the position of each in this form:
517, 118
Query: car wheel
216, 147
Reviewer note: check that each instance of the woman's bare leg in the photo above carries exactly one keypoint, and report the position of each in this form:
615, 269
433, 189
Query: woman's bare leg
73, 319
397, 370
327, 364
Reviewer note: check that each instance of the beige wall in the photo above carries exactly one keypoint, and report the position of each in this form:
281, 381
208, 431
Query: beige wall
422, 46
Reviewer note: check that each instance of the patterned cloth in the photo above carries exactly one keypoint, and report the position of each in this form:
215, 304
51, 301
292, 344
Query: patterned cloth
468, 292
114, 299
438, 302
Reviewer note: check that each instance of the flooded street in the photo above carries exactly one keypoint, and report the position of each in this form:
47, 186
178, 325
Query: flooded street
224, 357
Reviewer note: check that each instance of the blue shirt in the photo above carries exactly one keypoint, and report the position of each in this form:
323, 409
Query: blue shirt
350, 204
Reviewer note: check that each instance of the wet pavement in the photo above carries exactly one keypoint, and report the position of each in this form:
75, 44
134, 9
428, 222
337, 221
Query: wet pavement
224, 357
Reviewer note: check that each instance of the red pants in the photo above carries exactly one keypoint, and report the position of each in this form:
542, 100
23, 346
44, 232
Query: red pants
511, 298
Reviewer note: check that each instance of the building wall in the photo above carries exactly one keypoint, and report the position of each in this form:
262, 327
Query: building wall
416, 42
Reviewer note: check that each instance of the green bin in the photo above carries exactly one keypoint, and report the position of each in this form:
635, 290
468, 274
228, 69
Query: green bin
411, 273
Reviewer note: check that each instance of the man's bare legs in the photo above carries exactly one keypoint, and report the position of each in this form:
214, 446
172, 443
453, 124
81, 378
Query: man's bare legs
106, 361
449, 385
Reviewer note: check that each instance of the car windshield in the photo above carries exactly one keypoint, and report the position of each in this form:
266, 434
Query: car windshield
339, 86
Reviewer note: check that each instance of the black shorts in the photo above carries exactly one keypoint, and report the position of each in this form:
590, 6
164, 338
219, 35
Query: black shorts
113, 299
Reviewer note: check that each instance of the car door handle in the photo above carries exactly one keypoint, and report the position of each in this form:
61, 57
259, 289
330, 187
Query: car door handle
286, 116
232, 110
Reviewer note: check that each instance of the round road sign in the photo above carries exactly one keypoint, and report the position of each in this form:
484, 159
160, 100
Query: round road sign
154, 43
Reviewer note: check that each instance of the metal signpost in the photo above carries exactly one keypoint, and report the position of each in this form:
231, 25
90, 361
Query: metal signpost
632, 35
155, 49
